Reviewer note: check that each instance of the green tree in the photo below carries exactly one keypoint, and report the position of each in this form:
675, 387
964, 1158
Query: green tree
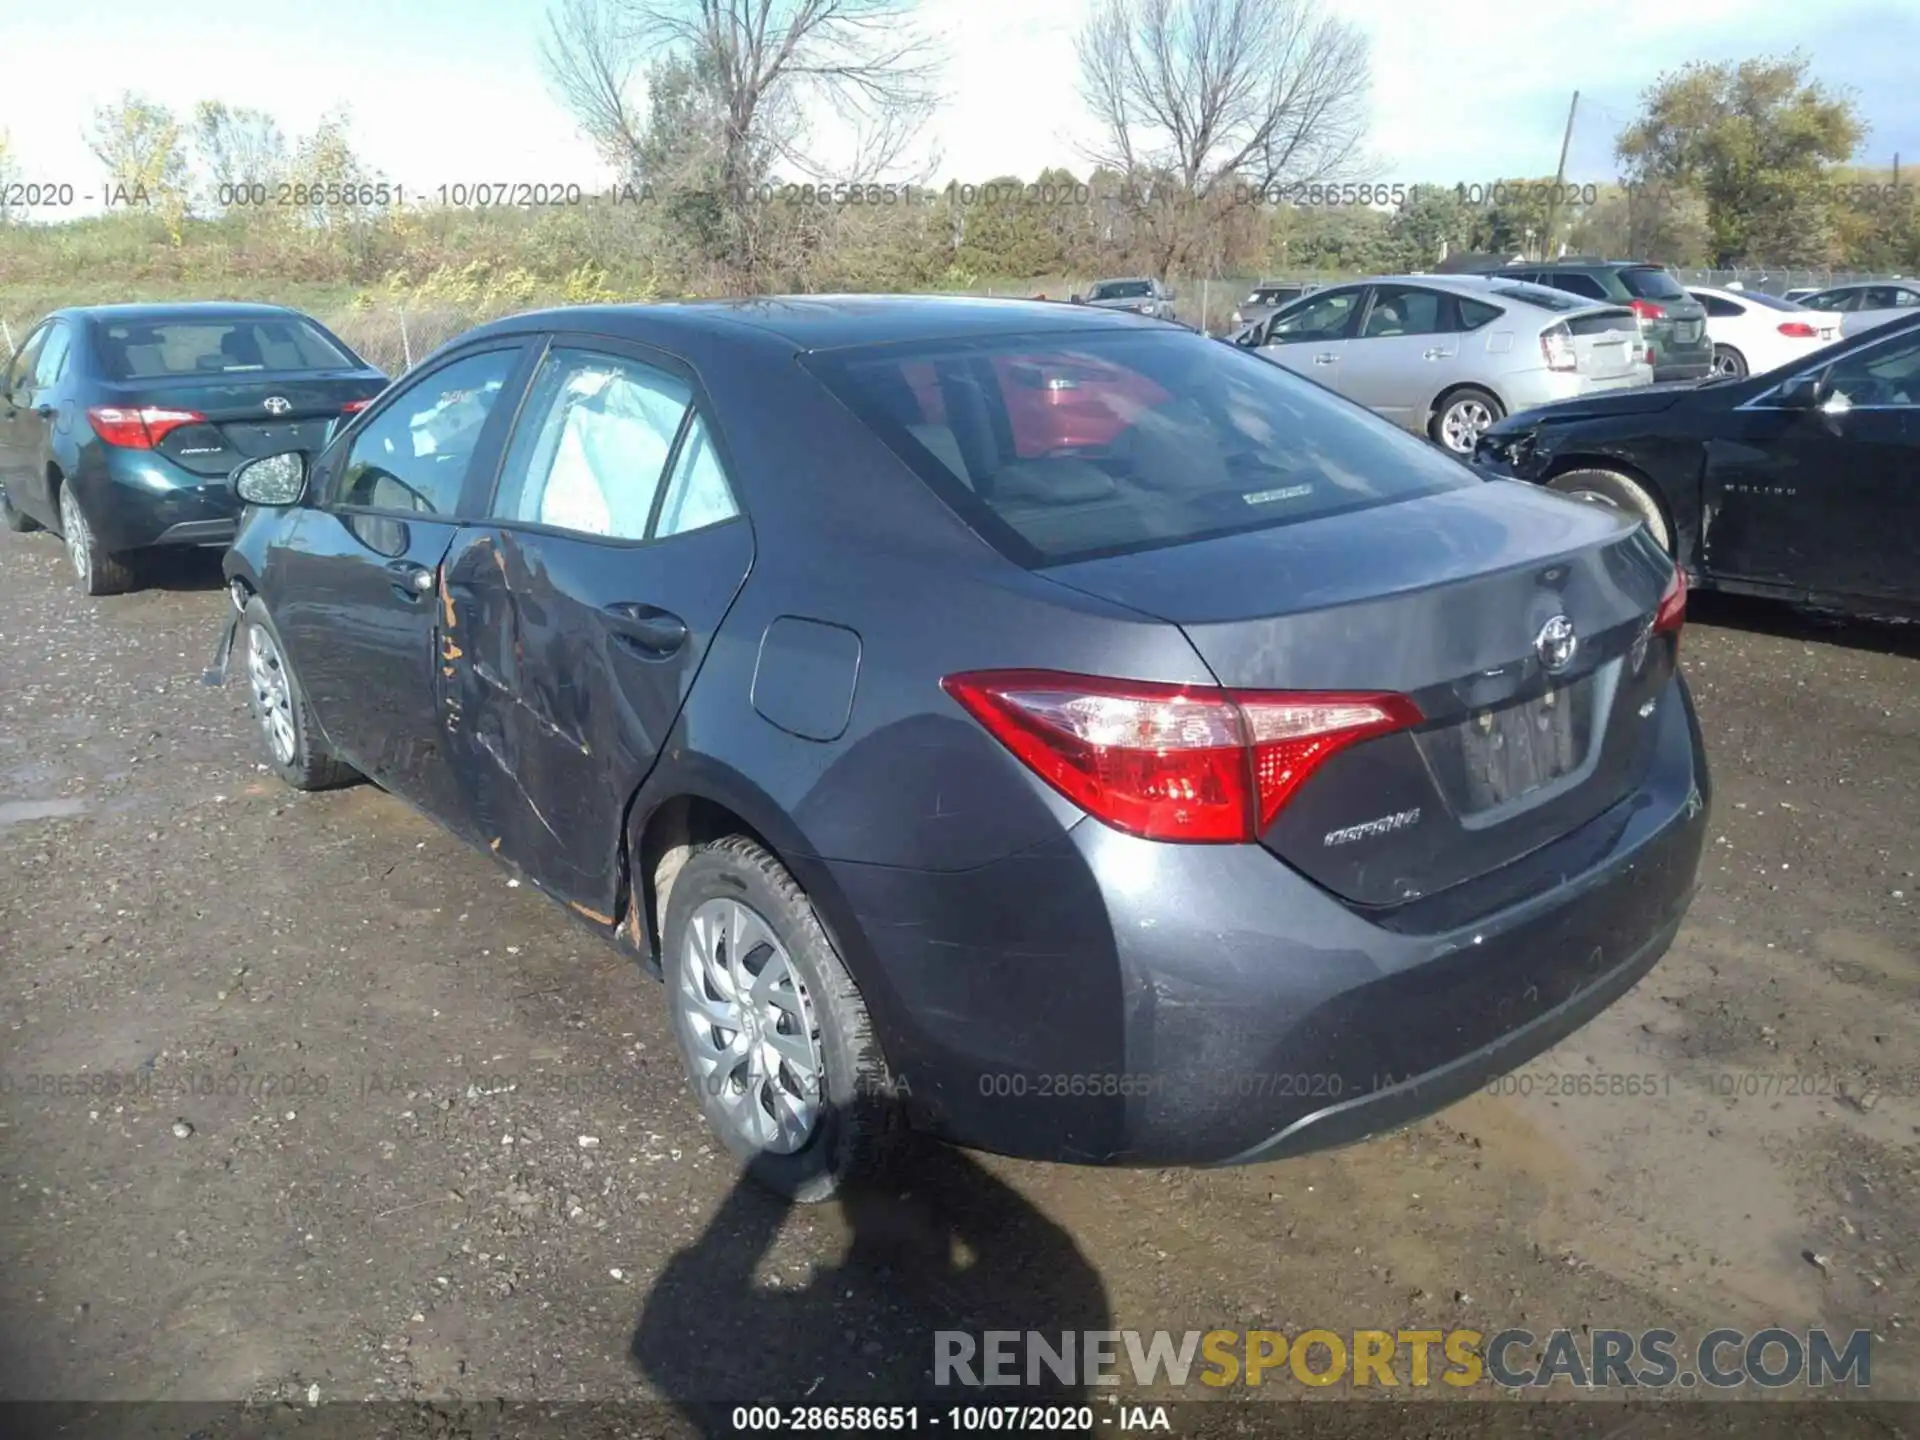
1430, 224
144, 150
1754, 141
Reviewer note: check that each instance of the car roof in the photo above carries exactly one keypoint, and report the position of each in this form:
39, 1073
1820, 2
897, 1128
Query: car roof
826, 322
179, 310
1473, 285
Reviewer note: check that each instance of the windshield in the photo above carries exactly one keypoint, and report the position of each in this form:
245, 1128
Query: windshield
1123, 290
1064, 448
1650, 282
146, 349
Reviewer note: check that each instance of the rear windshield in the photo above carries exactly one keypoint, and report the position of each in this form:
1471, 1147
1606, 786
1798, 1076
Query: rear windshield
1772, 302
146, 349
1650, 282
1123, 290
1058, 448
1540, 295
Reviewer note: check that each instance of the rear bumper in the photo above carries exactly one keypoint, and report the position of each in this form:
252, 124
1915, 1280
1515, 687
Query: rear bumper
135, 500
1108, 1000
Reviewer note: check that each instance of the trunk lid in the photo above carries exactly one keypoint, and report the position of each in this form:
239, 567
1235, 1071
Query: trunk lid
1459, 601
246, 415
1607, 343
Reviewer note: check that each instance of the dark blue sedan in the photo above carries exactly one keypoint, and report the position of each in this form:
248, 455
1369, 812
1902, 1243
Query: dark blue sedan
1046, 727
120, 423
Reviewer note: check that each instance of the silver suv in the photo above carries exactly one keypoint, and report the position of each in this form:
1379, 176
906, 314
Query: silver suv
1141, 295
1447, 355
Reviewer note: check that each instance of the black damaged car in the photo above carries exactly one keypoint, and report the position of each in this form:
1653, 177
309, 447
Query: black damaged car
1800, 484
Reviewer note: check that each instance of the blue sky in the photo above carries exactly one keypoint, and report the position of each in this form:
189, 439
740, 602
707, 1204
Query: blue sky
450, 91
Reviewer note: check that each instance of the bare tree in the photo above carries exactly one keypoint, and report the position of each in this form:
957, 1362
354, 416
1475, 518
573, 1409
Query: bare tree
768, 69
238, 148
1199, 98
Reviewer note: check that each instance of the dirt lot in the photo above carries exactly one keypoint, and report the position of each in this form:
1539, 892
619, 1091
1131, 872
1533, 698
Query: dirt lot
439, 1146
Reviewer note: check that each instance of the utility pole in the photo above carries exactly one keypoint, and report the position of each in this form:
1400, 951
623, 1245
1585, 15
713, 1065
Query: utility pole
1559, 178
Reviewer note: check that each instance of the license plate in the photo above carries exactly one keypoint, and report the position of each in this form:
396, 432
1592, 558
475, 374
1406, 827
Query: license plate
1512, 751
1687, 330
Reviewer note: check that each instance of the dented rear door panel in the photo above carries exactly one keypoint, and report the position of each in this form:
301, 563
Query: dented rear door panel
559, 682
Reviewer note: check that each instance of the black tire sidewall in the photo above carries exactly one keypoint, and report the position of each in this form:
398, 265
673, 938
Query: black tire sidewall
723, 872
1631, 497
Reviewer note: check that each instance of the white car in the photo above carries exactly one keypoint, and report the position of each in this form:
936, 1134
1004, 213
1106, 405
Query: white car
1753, 332
1864, 304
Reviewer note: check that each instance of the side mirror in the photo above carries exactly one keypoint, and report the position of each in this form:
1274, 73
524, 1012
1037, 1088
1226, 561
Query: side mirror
272, 480
1808, 390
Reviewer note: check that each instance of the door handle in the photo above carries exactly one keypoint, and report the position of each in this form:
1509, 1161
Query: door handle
648, 631
1433, 355
410, 581
45, 412
1325, 359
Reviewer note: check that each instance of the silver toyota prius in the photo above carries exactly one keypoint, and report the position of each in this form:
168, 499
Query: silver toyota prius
1447, 355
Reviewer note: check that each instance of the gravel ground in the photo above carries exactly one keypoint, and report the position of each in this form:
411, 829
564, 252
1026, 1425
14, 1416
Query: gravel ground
392, 1127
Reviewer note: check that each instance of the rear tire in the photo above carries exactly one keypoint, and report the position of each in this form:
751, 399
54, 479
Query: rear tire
13, 518
1729, 363
1620, 492
1461, 419
97, 570
295, 750
740, 929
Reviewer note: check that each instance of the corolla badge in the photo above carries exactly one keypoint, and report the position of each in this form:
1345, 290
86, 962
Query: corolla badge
1556, 644
277, 404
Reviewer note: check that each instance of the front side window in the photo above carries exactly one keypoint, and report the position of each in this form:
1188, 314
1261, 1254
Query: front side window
1831, 300
1887, 375
1123, 290
1167, 437
413, 456
591, 447
1323, 317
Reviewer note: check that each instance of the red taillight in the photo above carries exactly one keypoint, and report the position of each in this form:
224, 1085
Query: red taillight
1799, 330
1172, 762
139, 429
1650, 359
1671, 613
354, 407
1647, 310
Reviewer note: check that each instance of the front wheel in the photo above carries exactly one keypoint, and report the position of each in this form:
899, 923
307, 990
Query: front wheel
1618, 492
1462, 419
776, 1039
295, 748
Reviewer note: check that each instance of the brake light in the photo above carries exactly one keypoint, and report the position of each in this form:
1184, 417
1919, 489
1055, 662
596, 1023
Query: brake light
354, 407
141, 428
1799, 330
1647, 310
1172, 762
1556, 344
1671, 613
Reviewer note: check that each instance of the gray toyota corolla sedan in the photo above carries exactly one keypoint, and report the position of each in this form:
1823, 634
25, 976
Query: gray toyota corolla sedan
1049, 728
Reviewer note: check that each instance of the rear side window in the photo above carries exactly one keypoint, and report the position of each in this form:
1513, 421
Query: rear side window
1065, 448
149, 349
1575, 283
1475, 313
1539, 295
1719, 308
1650, 282
1772, 302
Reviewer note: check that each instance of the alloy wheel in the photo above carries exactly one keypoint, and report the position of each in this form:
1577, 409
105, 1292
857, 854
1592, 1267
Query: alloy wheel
73, 527
1465, 422
754, 1041
272, 693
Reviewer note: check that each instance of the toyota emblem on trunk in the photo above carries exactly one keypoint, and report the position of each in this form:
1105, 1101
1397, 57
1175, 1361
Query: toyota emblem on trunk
277, 404
1555, 644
